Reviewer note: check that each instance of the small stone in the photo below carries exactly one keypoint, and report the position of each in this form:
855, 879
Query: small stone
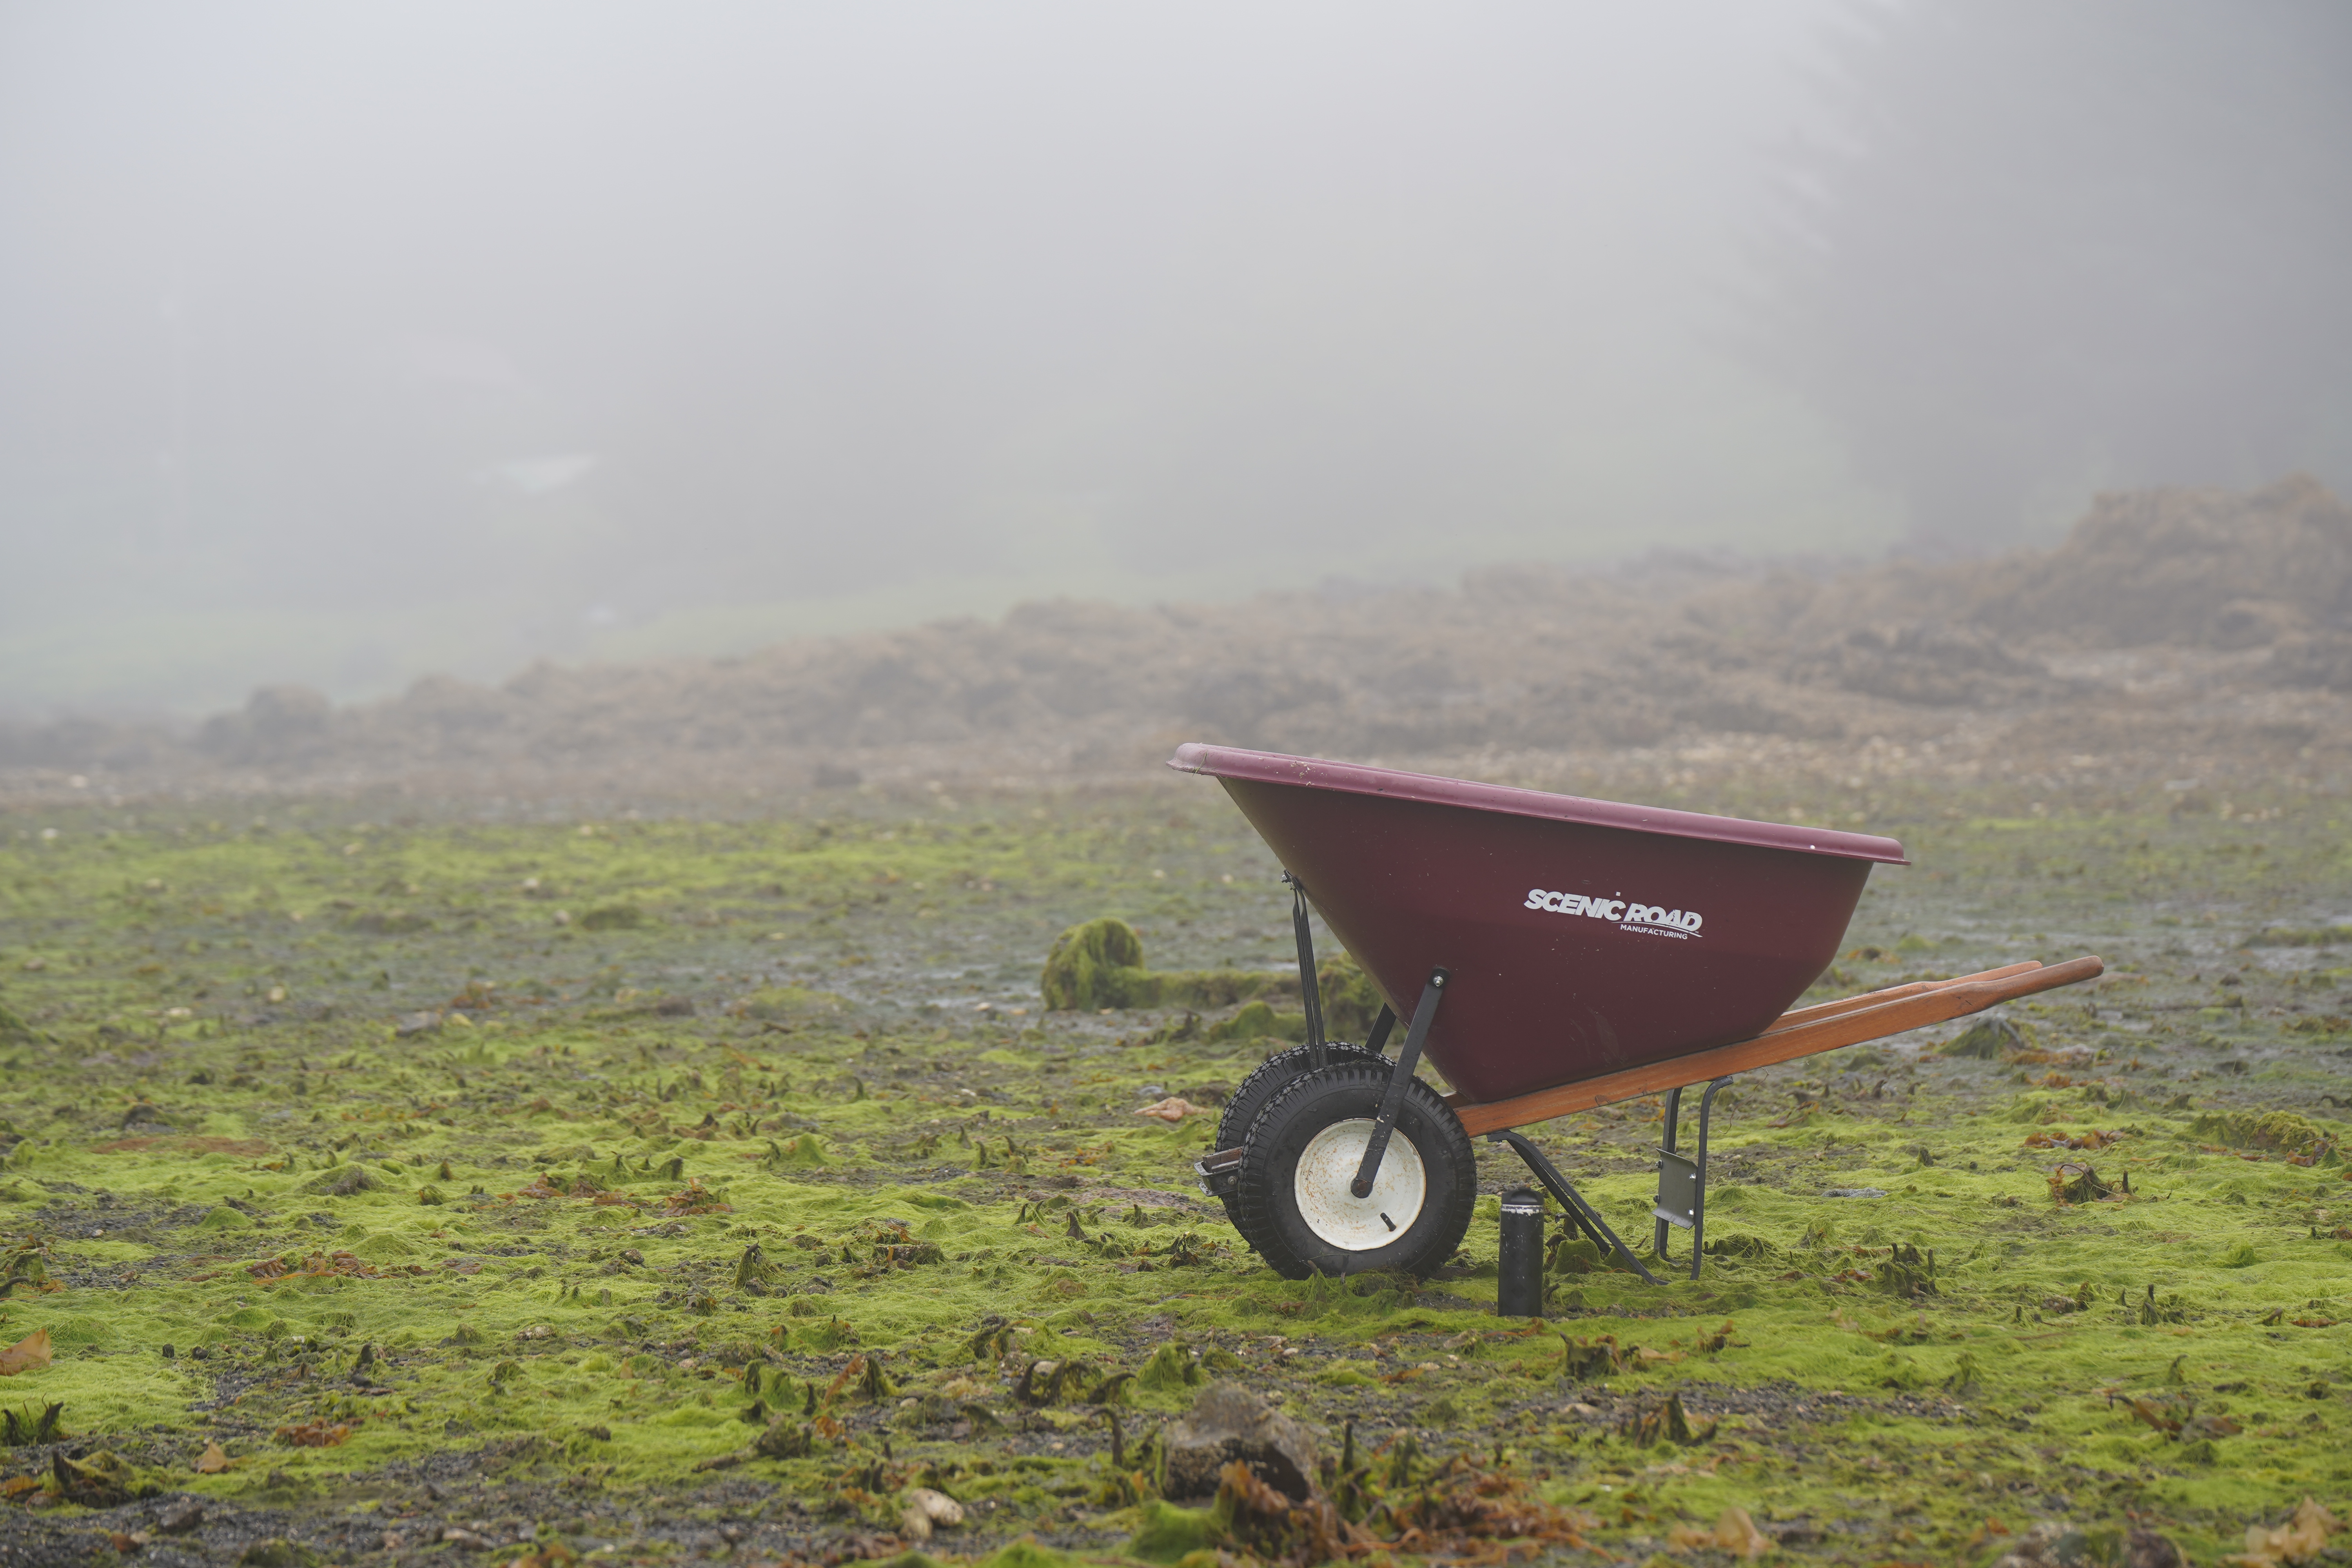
925, 1510
2146, 1548
171, 1354
181, 1517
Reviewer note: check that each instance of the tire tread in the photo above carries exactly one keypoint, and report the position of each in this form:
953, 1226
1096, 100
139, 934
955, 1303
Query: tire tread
1259, 1089
1438, 1136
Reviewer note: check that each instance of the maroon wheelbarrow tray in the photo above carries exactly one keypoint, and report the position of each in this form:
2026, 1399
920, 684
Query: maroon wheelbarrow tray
1549, 954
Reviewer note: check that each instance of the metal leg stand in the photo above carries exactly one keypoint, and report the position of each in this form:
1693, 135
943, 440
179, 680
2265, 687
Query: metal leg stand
1682, 1180
1310, 985
1579, 1212
1310, 989
1672, 1206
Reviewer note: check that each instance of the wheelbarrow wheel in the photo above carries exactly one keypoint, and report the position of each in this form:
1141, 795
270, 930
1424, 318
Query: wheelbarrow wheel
1270, 1078
1303, 1151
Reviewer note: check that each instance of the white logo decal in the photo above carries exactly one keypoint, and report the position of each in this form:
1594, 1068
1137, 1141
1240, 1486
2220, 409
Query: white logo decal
1644, 920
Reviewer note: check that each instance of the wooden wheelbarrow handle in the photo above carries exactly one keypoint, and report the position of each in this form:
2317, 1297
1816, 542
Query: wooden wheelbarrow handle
1896, 994
1800, 1032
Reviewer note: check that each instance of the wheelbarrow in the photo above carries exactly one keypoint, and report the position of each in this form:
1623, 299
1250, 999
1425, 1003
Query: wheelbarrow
1549, 954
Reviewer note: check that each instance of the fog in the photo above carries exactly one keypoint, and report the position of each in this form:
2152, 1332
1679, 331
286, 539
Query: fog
342, 345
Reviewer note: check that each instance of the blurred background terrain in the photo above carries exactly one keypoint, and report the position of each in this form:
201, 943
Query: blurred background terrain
2177, 639
742, 395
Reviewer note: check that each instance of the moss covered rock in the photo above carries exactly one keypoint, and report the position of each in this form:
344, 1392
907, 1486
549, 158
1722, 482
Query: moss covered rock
2280, 1132
1259, 1022
1350, 1001
1170, 1366
103, 1479
342, 1182
1987, 1039
779, 1003
1100, 964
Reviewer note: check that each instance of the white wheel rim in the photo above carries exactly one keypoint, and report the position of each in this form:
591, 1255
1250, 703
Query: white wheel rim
1327, 1167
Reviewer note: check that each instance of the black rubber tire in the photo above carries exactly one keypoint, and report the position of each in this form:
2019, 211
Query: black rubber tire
1266, 1189
1268, 1079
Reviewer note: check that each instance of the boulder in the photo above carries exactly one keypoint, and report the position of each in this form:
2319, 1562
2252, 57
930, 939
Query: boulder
1226, 1423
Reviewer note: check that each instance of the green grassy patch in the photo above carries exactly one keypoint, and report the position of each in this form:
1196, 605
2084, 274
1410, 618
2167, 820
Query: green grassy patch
597, 1150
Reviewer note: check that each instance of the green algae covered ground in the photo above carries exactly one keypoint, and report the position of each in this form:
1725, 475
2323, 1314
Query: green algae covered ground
696, 1186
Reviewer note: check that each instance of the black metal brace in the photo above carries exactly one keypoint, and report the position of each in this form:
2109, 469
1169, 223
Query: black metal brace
1310, 989
1424, 1013
1579, 1213
1682, 1180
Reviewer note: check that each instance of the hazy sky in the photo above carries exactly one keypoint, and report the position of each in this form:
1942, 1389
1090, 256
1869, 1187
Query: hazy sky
342, 343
